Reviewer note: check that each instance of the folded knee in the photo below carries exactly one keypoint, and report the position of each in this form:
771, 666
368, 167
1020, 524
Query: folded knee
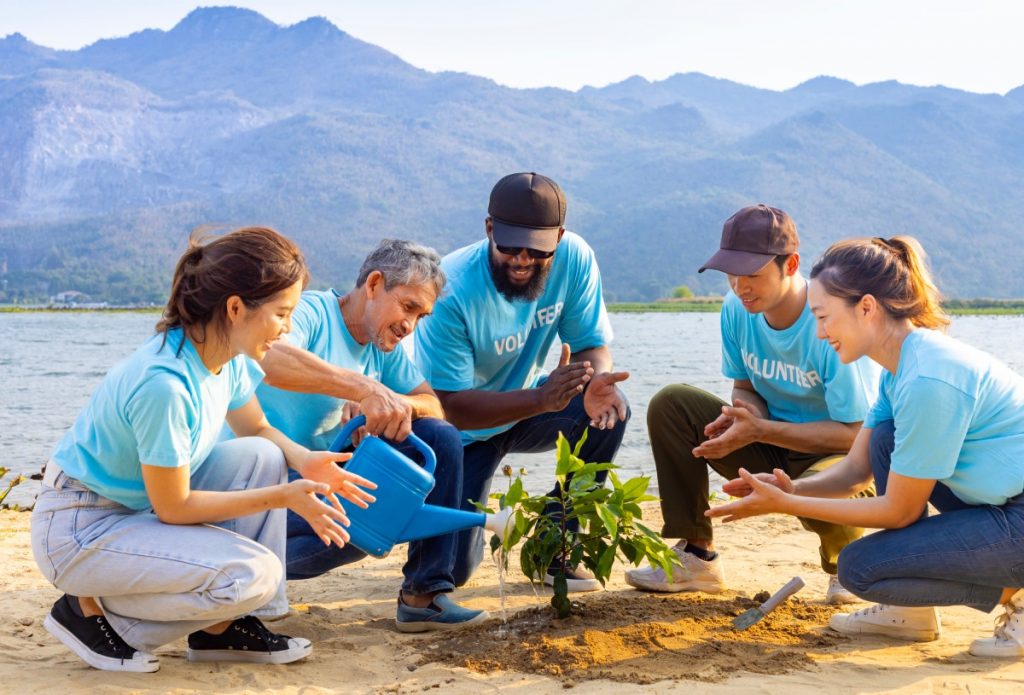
256, 579
441, 436
269, 464
852, 568
668, 403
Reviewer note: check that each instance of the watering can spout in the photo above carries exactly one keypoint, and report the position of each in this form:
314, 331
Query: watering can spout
432, 521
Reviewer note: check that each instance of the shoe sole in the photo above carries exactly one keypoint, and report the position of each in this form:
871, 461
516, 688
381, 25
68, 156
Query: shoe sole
990, 652
147, 664
285, 656
673, 588
903, 633
419, 626
575, 586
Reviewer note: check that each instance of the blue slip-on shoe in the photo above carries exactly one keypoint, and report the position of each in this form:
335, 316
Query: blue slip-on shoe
442, 614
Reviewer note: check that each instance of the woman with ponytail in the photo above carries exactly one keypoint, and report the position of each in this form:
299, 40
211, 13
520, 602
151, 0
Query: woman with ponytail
947, 428
153, 529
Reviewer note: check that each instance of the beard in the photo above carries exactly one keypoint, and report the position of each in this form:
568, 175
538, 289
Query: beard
529, 292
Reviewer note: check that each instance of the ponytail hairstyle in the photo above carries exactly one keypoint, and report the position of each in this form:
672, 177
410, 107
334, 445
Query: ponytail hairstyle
893, 271
254, 263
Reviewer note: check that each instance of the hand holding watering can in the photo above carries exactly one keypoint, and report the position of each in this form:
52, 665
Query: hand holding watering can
322, 467
399, 513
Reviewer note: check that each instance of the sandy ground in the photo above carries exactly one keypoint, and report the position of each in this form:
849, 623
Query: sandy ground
622, 642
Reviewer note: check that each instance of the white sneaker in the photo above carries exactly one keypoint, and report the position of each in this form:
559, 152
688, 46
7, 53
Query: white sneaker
837, 594
577, 580
1008, 640
694, 575
918, 624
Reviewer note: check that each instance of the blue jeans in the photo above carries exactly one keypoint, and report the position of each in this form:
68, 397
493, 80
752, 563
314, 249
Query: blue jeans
158, 582
535, 434
965, 556
428, 568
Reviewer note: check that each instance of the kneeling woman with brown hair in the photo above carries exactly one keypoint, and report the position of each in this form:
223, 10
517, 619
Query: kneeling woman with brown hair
947, 428
153, 528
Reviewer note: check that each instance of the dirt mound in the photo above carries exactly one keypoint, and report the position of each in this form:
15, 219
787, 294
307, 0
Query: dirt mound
643, 638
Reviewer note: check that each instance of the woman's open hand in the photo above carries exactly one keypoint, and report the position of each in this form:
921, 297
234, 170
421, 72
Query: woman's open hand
763, 498
322, 467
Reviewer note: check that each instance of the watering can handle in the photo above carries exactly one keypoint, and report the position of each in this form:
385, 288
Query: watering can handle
344, 438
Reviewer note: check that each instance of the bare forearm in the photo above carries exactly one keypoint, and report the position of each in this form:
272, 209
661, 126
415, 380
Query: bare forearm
865, 512
206, 507
293, 452
294, 369
751, 398
600, 358
477, 410
841, 480
425, 405
823, 437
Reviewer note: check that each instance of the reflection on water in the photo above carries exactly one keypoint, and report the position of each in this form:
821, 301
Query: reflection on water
51, 362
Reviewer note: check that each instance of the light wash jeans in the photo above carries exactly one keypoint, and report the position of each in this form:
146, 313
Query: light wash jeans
965, 556
158, 582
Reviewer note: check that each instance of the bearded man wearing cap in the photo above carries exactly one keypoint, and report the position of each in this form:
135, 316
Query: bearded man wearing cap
483, 349
795, 406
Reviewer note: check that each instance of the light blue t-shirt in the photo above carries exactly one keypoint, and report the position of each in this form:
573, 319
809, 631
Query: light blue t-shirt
156, 407
477, 339
799, 376
959, 418
311, 419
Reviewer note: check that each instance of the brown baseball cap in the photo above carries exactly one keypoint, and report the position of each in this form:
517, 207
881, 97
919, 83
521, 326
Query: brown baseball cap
752, 238
527, 210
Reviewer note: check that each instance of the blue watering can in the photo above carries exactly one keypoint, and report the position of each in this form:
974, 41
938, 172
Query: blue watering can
400, 515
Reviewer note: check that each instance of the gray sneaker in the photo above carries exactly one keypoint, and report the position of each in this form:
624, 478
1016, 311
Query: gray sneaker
692, 574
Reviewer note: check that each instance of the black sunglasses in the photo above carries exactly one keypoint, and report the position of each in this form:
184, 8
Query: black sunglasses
532, 253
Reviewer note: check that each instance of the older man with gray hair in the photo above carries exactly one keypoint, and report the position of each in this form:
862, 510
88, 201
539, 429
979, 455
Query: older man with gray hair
339, 360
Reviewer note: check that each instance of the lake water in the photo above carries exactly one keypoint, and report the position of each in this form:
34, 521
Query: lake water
51, 362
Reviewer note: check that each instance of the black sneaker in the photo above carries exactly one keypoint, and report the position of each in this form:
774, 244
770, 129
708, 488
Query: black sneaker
248, 640
94, 641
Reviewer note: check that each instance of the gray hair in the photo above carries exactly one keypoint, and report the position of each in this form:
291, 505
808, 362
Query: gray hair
403, 263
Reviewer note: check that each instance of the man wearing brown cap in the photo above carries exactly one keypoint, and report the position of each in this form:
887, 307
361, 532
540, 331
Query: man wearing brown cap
795, 406
483, 350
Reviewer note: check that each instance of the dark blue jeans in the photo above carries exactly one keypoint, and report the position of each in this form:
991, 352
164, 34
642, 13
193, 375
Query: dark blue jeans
535, 434
429, 566
965, 556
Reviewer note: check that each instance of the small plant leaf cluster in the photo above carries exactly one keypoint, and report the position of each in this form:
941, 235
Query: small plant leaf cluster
4, 491
608, 518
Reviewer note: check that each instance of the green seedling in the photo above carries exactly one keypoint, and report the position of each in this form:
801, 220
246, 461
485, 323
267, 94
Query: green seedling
609, 519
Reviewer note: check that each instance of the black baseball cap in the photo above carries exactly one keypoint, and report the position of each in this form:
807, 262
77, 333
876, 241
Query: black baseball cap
752, 238
527, 210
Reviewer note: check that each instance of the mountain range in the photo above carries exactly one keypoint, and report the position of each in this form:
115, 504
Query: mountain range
111, 154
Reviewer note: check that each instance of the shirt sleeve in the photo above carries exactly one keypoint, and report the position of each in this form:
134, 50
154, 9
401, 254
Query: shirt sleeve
161, 416
846, 394
443, 351
932, 419
399, 373
584, 321
246, 376
882, 409
732, 358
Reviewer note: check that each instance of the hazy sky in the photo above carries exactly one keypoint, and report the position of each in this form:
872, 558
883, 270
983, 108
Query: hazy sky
975, 45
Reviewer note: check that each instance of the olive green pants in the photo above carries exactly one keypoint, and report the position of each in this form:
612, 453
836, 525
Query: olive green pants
676, 418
